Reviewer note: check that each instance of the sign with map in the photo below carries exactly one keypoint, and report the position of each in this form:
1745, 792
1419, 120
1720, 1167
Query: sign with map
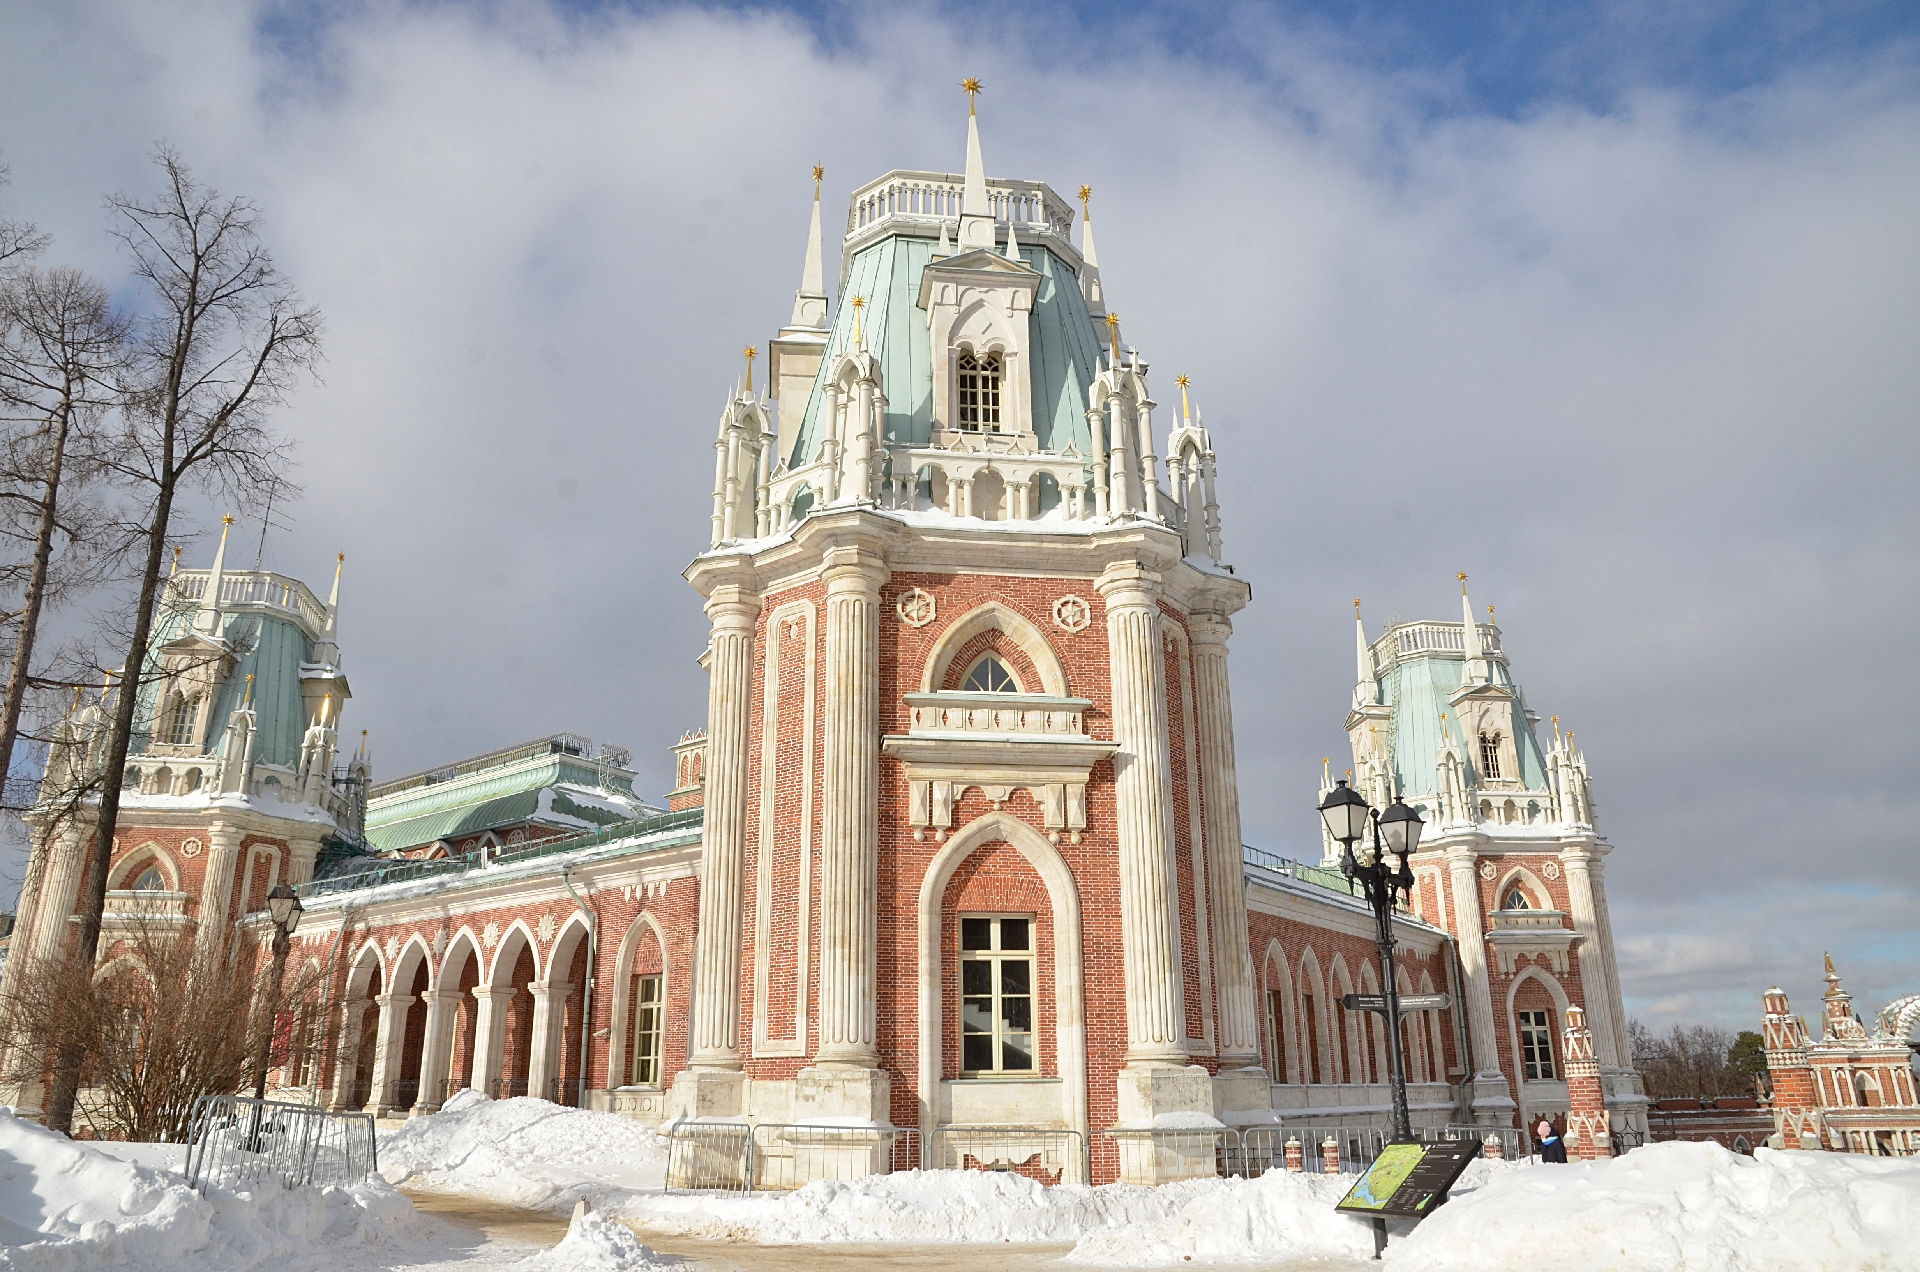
1409, 1180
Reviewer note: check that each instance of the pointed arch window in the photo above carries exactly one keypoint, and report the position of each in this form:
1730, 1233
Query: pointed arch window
1516, 900
150, 880
1490, 754
990, 675
979, 392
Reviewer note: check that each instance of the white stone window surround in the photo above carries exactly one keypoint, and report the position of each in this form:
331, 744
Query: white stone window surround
1069, 1012
990, 674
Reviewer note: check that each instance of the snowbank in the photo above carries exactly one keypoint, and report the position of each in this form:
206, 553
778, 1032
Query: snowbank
525, 1152
1684, 1208
66, 1207
596, 1244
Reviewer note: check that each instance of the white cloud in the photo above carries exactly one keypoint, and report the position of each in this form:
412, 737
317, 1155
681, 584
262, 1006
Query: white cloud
1646, 374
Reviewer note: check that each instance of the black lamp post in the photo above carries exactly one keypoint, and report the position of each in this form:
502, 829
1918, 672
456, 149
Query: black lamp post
1396, 832
284, 908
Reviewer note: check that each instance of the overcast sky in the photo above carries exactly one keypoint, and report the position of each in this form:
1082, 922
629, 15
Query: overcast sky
1616, 311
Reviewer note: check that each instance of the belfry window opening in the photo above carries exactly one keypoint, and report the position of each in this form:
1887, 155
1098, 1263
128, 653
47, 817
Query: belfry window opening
182, 713
1490, 754
979, 396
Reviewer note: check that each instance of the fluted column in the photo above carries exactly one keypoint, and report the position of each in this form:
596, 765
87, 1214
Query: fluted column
490, 1035
1596, 969
849, 797
216, 891
301, 854
1473, 962
715, 1038
388, 1044
1615, 1005
1239, 1023
436, 1049
58, 895
1156, 1013
549, 1004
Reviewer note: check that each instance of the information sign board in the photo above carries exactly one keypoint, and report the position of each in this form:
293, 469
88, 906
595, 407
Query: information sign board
1409, 1180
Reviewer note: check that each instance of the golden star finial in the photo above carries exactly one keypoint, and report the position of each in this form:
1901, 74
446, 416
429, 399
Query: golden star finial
1489, 615
972, 86
1356, 607
226, 520
1113, 336
1086, 192
859, 303
1186, 412
1462, 576
819, 171
752, 353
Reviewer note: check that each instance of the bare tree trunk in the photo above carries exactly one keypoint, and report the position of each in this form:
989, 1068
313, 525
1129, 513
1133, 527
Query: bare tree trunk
228, 338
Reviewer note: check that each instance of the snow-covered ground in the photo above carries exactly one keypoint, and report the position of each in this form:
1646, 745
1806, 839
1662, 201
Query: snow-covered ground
70, 1207
1663, 1208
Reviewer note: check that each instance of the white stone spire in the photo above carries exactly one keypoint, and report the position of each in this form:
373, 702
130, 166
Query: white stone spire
327, 648
1013, 244
207, 621
976, 210
1090, 274
810, 303
1470, 639
1366, 689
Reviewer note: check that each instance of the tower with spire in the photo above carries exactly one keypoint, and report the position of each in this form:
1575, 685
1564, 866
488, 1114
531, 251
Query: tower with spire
968, 658
1854, 1088
1511, 859
233, 781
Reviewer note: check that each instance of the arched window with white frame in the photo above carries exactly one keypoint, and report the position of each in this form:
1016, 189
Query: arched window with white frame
978, 392
989, 675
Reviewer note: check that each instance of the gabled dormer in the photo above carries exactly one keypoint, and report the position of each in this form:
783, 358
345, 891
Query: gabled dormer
978, 305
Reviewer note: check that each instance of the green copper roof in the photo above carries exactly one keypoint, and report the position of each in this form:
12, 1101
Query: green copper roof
1065, 356
1418, 690
269, 648
554, 789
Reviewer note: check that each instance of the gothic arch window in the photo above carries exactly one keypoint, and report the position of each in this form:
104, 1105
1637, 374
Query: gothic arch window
989, 675
979, 392
150, 880
1515, 900
1490, 754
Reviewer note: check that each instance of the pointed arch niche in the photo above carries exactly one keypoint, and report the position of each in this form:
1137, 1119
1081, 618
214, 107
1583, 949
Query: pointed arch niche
998, 741
1069, 1011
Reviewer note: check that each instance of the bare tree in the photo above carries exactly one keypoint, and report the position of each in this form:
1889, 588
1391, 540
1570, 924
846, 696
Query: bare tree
18, 239
1688, 1062
62, 348
223, 342
158, 1028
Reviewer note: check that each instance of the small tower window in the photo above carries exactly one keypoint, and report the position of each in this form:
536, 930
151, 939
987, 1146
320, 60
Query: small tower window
979, 392
150, 880
1490, 754
990, 675
182, 712
1516, 900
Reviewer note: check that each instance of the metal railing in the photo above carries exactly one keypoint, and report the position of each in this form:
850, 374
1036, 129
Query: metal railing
1045, 1155
1514, 1143
777, 1157
1162, 1155
405, 869
237, 1140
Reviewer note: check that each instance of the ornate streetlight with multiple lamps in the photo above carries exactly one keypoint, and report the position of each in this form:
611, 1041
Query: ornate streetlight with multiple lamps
1395, 832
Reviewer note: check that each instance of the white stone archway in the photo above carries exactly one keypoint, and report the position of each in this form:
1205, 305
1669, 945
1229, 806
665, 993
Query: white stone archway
1063, 895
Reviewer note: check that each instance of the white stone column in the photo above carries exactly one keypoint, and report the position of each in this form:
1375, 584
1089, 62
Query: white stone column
1156, 1015
1596, 969
1239, 1020
849, 799
549, 1015
1615, 1004
38, 945
490, 1035
301, 854
216, 891
436, 1051
388, 1046
1478, 989
715, 1041
346, 1055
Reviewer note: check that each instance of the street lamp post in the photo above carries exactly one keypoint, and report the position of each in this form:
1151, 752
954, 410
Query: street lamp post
284, 908
1395, 831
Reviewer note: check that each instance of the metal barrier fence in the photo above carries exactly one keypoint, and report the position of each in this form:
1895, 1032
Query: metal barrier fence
1042, 1154
775, 1157
237, 1140
1513, 1142
1160, 1156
